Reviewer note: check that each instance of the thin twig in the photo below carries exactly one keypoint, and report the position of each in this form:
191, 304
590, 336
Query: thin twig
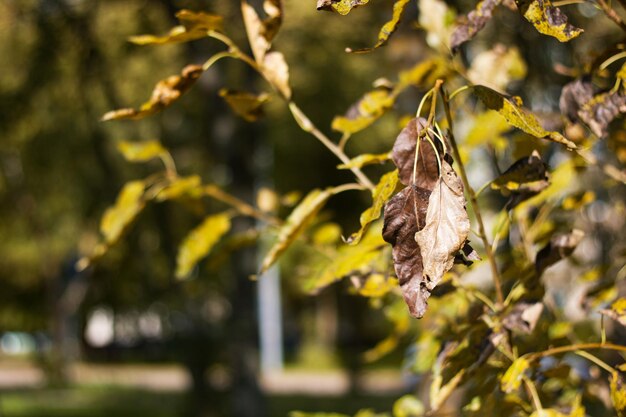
573, 348
611, 14
472, 195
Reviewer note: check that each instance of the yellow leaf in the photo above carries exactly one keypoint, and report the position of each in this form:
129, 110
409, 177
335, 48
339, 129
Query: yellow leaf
165, 93
182, 187
512, 378
578, 200
548, 19
408, 406
200, 241
327, 234
377, 285
488, 127
128, 205
297, 221
384, 189
617, 311
578, 410
388, 28
194, 25
497, 67
423, 74
343, 7
365, 112
365, 159
246, 105
518, 116
141, 151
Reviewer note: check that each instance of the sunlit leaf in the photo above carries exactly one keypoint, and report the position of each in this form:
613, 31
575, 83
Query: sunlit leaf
617, 311
388, 28
524, 179
618, 394
384, 189
141, 151
261, 33
422, 74
246, 105
165, 93
181, 187
437, 19
364, 112
512, 378
297, 221
376, 286
488, 127
475, 22
342, 7
130, 201
560, 246
548, 19
365, 159
516, 115
578, 200
194, 25
403, 156
267, 200
200, 241
497, 67
276, 71
601, 110
408, 406
327, 234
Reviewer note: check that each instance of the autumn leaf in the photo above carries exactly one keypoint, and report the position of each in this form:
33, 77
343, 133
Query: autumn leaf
130, 201
618, 393
475, 22
548, 19
364, 112
388, 28
246, 105
376, 285
200, 241
181, 187
422, 74
617, 311
342, 7
365, 159
141, 151
165, 93
194, 25
497, 67
403, 156
523, 317
526, 178
408, 406
516, 115
574, 96
512, 378
261, 33
276, 71
446, 227
601, 110
560, 246
384, 189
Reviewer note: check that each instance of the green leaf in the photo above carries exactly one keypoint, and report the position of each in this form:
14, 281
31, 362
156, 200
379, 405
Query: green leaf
297, 221
181, 187
165, 93
408, 406
200, 241
548, 19
141, 151
512, 378
246, 105
128, 205
384, 189
511, 109
194, 25
343, 7
365, 159
388, 28
364, 112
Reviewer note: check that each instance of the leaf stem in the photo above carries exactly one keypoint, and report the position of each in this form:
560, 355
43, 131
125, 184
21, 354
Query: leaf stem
483, 234
240, 205
611, 14
532, 393
573, 348
595, 360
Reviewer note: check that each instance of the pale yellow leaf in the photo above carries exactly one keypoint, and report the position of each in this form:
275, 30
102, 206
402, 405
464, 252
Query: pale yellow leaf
128, 205
141, 151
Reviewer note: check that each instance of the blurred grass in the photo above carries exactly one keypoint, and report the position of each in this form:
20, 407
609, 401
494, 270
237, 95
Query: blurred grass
101, 401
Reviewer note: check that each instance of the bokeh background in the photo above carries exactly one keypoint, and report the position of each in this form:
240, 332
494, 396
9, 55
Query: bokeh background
125, 338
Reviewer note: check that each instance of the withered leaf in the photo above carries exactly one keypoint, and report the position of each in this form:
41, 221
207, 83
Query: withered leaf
261, 33
165, 93
476, 21
405, 215
446, 229
560, 246
526, 178
276, 71
523, 317
248, 106
599, 112
364, 112
385, 187
342, 7
574, 96
388, 28
403, 155
511, 109
194, 25
548, 19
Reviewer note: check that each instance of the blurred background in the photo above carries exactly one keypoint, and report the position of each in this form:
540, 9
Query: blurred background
125, 338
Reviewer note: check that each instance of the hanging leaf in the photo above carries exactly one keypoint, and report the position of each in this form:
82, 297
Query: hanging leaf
601, 110
618, 394
388, 28
548, 19
165, 93
365, 159
403, 156
246, 105
141, 151
617, 311
526, 174
343, 7
261, 33
181, 187
475, 22
512, 378
364, 112
560, 246
200, 241
297, 221
384, 189
276, 71
116, 219
408, 406
194, 25
446, 229
517, 116
497, 67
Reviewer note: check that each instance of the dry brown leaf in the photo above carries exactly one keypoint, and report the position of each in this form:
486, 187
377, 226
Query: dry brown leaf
476, 21
560, 246
403, 155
